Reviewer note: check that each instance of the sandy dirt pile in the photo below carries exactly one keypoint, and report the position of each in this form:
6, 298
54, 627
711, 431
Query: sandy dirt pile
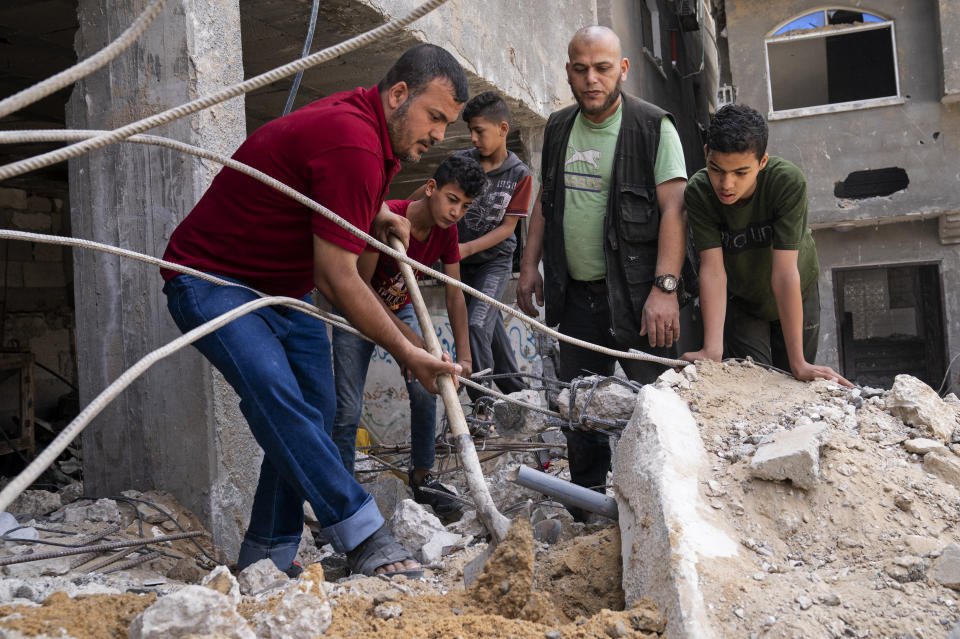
853, 555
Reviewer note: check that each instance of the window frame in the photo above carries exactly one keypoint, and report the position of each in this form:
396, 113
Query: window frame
837, 107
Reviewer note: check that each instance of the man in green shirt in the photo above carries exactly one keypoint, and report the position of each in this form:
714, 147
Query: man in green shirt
608, 224
758, 262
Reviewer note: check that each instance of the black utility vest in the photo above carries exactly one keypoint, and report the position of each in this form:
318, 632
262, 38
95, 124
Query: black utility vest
630, 227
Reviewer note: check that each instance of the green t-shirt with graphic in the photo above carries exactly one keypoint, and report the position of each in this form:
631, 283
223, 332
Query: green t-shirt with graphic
773, 218
588, 168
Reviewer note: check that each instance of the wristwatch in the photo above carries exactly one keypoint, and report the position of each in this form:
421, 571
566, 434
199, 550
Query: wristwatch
666, 283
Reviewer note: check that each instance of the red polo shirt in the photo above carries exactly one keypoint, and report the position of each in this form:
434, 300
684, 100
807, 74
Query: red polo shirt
336, 151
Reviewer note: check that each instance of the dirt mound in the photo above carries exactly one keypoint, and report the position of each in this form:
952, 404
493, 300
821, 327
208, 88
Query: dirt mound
88, 617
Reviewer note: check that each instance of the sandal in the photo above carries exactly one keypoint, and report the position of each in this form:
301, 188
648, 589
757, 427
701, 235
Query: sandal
380, 549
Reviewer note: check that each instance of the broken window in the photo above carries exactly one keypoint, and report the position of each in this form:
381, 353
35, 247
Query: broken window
891, 322
831, 60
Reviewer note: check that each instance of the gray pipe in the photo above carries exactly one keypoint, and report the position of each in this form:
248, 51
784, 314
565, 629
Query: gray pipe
565, 492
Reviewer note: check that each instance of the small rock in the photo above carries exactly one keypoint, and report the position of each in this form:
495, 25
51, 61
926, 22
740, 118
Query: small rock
907, 569
387, 611
903, 502
791, 454
388, 491
261, 576
805, 602
616, 629
946, 570
690, 372
829, 600
221, 580
420, 532
922, 445
944, 465
100, 510
187, 571
919, 406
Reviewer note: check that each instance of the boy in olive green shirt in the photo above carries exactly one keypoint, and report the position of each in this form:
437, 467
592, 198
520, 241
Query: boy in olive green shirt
758, 262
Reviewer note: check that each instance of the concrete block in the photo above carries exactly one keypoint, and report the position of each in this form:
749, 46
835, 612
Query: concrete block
260, 576
303, 611
419, 531
946, 570
919, 406
610, 401
922, 445
48, 253
33, 222
791, 454
100, 510
13, 198
222, 580
388, 491
656, 475
944, 465
194, 610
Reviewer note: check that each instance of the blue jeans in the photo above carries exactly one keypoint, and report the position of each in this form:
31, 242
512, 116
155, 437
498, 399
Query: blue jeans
278, 361
351, 359
489, 345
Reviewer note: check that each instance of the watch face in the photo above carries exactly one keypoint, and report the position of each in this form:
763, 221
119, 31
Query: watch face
667, 283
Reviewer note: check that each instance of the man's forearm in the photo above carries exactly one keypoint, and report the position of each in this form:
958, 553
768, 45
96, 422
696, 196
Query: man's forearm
459, 324
713, 307
786, 291
672, 239
494, 237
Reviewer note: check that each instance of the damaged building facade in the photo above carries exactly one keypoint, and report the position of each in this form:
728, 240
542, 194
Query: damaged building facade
87, 316
865, 98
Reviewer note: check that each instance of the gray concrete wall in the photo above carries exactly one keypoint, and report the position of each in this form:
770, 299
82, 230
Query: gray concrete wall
922, 135
889, 245
177, 427
949, 14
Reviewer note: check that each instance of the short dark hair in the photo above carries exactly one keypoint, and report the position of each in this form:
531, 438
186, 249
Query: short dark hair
463, 170
421, 64
737, 128
487, 105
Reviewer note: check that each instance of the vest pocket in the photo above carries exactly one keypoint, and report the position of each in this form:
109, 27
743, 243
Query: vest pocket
639, 215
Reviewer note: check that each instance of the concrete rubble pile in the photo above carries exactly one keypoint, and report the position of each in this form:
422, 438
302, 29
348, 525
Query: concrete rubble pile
782, 508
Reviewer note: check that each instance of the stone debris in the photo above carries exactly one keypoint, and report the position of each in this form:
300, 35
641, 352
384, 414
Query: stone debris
193, 610
388, 490
303, 610
919, 406
946, 570
922, 446
36, 503
513, 420
105, 510
222, 580
791, 455
944, 464
421, 533
610, 400
261, 576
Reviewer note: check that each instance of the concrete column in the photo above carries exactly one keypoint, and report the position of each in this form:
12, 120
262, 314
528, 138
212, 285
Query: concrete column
950, 46
177, 428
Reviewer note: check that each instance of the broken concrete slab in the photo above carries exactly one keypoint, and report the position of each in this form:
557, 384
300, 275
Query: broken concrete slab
261, 576
946, 570
944, 464
303, 611
922, 445
420, 532
513, 419
919, 406
100, 510
656, 480
194, 610
610, 400
791, 455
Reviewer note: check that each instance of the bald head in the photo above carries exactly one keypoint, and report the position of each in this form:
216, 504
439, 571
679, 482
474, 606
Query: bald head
595, 37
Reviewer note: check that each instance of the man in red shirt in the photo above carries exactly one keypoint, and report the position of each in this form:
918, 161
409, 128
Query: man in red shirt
342, 151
